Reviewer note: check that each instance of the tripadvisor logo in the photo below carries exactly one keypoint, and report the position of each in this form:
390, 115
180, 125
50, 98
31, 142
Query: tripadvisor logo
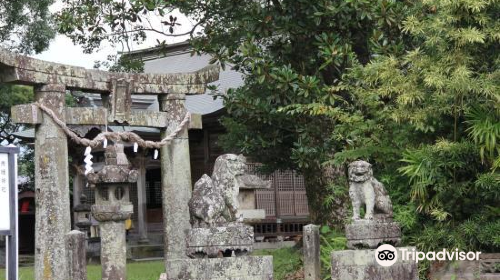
386, 255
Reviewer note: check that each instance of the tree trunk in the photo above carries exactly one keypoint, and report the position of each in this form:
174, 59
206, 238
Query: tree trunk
327, 195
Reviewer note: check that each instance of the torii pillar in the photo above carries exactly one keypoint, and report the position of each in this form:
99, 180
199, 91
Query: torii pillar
176, 180
53, 213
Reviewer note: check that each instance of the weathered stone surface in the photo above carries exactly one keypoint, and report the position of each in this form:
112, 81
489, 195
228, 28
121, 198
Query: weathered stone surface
487, 268
251, 215
31, 114
252, 182
104, 213
26, 114
52, 219
312, 262
211, 242
365, 190
77, 261
20, 69
120, 101
215, 200
371, 233
361, 265
113, 250
490, 264
176, 180
242, 268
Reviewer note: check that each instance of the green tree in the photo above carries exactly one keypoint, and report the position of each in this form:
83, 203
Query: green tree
292, 52
430, 121
26, 26
12, 95
9, 96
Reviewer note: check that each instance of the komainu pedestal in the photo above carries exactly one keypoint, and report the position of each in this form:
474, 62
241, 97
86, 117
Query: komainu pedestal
235, 239
361, 265
371, 233
241, 268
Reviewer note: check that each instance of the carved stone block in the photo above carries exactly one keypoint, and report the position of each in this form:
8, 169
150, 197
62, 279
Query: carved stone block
371, 233
243, 268
361, 265
211, 242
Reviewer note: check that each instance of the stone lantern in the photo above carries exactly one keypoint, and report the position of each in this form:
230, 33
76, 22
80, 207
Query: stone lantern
82, 219
112, 207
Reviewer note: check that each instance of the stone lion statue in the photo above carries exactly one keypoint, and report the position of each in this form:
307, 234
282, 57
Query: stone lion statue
215, 199
365, 190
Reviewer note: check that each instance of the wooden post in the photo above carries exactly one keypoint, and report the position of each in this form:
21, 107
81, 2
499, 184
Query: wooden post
52, 219
77, 263
312, 264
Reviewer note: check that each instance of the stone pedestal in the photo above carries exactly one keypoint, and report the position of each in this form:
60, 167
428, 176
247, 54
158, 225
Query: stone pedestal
241, 268
486, 268
361, 265
113, 250
371, 233
237, 238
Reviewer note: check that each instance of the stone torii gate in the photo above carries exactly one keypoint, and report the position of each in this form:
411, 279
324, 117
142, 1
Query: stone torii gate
51, 81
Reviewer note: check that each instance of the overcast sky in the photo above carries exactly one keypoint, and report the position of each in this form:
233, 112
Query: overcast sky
62, 50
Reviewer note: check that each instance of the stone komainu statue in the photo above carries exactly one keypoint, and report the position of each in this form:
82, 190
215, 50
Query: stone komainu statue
364, 189
215, 199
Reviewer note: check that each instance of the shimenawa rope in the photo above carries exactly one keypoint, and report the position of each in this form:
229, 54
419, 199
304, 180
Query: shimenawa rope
115, 136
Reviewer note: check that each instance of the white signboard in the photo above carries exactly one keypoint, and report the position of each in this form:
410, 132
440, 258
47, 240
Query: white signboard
4, 193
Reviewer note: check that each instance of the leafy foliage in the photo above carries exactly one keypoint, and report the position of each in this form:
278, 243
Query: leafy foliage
439, 105
331, 241
286, 261
9, 96
26, 26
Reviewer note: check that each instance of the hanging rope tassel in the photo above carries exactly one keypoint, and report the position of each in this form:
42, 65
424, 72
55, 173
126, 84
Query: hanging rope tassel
88, 160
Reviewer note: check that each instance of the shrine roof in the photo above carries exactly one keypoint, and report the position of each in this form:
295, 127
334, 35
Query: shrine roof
178, 58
